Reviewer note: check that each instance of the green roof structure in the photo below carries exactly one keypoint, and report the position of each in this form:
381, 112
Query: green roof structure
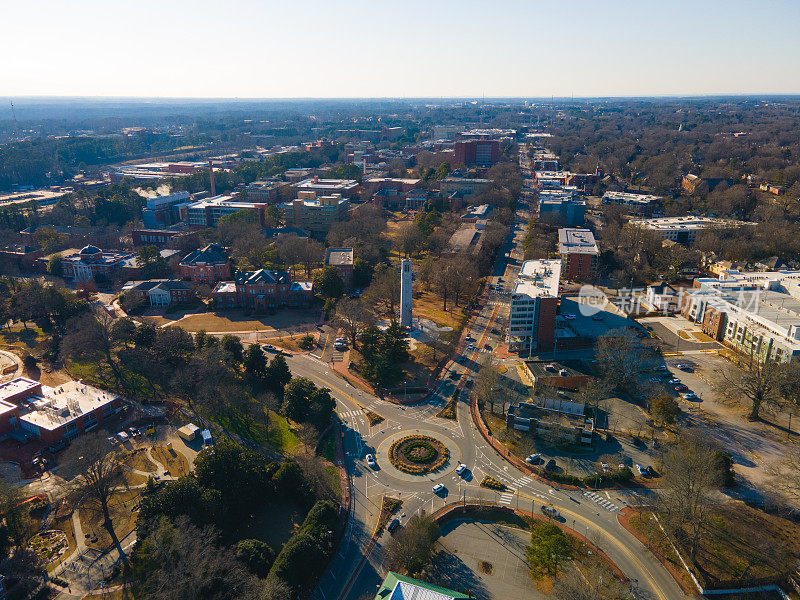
400, 587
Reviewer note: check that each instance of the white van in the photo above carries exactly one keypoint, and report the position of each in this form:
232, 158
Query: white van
206, 437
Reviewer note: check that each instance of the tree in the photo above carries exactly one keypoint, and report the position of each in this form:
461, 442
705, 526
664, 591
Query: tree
759, 383
486, 385
54, 265
150, 262
311, 254
233, 346
384, 291
91, 335
549, 547
411, 549
623, 357
329, 284
588, 584
256, 555
101, 470
255, 362
350, 315
409, 239
690, 482
16, 517
303, 401
665, 409
278, 374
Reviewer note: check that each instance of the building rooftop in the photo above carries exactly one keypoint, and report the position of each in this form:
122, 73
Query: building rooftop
576, 241
400, 587
62, 404
689, 222
333, 185
339, 257
539, 278
211, 254
17, 386
225, 287
628, 198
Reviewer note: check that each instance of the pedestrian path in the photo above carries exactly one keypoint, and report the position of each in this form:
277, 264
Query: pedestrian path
607, 504
505, 498
349, 414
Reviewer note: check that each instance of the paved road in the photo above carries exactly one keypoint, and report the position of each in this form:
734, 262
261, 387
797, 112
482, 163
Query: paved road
358, 568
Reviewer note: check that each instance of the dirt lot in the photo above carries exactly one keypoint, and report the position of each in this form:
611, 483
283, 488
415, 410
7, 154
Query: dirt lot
173, 461
235, 320
124, 520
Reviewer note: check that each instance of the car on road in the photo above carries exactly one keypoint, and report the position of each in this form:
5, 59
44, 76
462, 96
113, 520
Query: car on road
684, 367
534, 459
471, 347
393, 524
461, 468
681, 388
438, 488
551, 513
269, 347
689, 396
641, 470
371, 461
469, 338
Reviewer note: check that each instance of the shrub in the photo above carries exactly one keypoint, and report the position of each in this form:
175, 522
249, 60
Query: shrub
256, 555
493, 484
306, 342
373, 418
418, 465
621, 476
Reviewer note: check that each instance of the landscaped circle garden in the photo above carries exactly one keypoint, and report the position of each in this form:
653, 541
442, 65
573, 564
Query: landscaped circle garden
418, 454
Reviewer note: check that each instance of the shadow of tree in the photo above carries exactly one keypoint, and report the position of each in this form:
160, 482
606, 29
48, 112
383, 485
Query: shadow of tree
447, 570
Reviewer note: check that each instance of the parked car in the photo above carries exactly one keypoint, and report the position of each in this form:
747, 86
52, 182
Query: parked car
690, 396
641, 470
605, 467
654, 380
684, 367
461, 468
469, 338
471, 347
393, 524
551, 513
371, 461
534, 459
674, 381
551, 465
438, 488
123, 436
681, 388
568, 316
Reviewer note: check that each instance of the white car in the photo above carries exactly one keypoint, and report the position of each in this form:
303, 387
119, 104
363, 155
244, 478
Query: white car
533, 459
471, 347
690, 396
371, 461
461, 468
605, 467
438, 488
641, 470
123, 436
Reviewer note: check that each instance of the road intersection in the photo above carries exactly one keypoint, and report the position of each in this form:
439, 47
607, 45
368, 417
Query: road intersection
357, 569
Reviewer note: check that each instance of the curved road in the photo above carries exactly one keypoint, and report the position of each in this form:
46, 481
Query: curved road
357, 569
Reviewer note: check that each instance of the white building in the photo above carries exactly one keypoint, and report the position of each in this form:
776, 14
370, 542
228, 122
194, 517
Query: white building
628, 199
684, 230
534, 306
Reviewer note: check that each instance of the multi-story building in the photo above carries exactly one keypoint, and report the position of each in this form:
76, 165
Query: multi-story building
579, 253
684, 230
268, 191
208, 212
315, 214
53, 414
163, 210
561, 207
477, 153
464, 186
346, 188
162, 238
534, 306
92, 264
160, 293
551, 180
262, 290
629, 199
342, 260
207, 265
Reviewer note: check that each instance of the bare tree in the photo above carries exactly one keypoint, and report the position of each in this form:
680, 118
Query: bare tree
409, 239
351, 315
486, 387
291, 250
759, 383
101, 476
623, 357
311, 254
412, 548
691, 479
91, 334
384, 290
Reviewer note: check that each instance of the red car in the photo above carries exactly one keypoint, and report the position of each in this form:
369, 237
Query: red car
681, 388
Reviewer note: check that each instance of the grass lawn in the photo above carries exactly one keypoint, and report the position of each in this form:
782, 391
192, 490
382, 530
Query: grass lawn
236, 320
429, 306
334, 481
124, 519
17, 338
174, 462
281, 436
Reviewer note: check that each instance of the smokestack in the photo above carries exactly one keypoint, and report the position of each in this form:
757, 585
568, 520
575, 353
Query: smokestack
365, 166
211, 175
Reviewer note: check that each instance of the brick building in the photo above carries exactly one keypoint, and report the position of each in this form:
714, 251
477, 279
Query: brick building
477, 153
160, 292
262, 290
342, 260
207, 265
579, 254
91, 264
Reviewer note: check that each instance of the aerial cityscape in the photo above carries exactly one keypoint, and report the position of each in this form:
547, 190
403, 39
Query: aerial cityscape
332, 312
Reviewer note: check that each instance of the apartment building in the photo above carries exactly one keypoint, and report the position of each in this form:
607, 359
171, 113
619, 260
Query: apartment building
313, 213
579, 253
534, 306
561, 207
477, 153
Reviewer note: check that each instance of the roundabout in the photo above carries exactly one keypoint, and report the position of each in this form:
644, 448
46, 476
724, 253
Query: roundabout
418, 455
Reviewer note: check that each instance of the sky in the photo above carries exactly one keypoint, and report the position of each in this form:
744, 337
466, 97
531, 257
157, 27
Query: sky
409, 48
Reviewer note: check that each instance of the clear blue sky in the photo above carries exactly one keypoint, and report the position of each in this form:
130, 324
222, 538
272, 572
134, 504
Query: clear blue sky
347, 48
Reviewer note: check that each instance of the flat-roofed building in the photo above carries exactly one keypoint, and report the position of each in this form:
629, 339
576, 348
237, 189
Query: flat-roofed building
561, 207
325, 187
464, 186
579, 253
341, 259
53, 414
401, 587
684, 230
534, 306
629, 199
313, 213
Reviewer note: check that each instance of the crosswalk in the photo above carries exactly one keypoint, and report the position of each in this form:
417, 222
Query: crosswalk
505, 498
607, 504
349, 414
